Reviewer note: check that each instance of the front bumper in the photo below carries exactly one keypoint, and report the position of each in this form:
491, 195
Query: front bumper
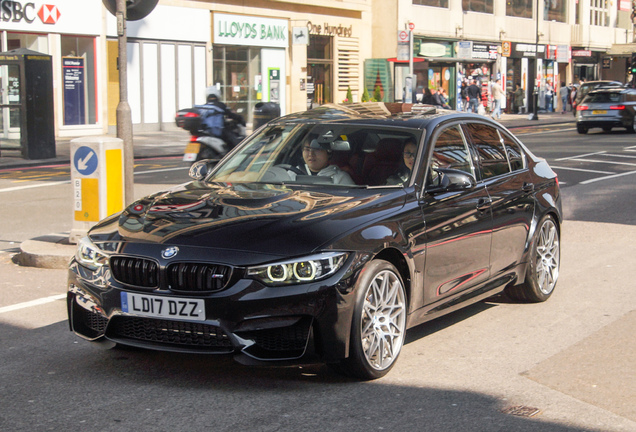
264, 324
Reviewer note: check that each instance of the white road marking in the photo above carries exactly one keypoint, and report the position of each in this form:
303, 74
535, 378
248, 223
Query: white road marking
607, 177
44, 184
32, 303
581, 169
604, 162
579, 156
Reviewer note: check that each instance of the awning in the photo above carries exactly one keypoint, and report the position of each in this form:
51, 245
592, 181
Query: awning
415, 60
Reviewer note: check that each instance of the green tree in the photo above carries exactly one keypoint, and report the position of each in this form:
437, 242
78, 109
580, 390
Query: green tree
377, 94
365, 95
349, 98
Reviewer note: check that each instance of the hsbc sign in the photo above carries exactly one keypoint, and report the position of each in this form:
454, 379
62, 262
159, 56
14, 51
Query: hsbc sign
57, 16
15, 11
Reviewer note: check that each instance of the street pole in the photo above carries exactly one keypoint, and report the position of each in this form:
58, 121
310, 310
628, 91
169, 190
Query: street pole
535, 96
124, 117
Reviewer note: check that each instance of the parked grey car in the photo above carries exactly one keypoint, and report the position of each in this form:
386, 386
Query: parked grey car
607, 108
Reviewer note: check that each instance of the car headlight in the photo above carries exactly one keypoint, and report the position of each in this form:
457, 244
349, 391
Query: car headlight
89, 255
301, 270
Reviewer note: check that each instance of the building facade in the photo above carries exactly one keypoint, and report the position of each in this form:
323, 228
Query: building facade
301, 54
457, 40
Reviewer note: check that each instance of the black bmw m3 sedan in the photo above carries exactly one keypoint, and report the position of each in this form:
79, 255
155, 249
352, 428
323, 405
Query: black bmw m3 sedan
323, 237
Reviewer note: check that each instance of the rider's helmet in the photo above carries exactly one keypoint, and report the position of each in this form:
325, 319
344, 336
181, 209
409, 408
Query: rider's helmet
212, 94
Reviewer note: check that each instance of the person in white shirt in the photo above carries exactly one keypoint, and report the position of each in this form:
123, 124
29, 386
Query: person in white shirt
316, 157
497, 96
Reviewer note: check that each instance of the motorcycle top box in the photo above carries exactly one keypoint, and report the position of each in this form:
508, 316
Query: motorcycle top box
189, 119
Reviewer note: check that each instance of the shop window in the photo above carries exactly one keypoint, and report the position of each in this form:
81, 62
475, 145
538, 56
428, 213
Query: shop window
555, 10
484, 6
78, 80
520, 8
320, 69
599, 13
434, 3
237, 74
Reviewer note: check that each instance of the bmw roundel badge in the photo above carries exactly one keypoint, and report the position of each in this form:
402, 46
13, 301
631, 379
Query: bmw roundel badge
170, 252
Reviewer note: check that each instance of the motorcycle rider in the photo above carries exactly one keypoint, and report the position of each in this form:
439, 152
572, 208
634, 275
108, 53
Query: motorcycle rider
213, 118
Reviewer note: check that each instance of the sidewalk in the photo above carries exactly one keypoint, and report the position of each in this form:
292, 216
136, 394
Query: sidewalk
54, 250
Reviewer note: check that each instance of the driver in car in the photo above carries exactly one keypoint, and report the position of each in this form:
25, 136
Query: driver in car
316, 157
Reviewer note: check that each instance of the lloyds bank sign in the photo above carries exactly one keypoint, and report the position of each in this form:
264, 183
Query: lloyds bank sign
248, 30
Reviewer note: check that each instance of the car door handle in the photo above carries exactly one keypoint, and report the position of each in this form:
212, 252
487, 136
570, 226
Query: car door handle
484, 203
528, 187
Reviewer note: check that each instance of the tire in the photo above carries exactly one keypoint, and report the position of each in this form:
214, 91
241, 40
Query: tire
581, 129
543, 268
379, 323
632, 127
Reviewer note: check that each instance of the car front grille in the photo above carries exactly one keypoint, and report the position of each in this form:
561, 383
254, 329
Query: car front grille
196, 277
178, 333
135, 271
179, 277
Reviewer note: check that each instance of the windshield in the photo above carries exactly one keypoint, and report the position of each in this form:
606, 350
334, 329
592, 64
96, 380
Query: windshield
603, 98
335, 154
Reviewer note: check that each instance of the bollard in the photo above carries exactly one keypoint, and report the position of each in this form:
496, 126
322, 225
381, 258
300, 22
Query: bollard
97, 177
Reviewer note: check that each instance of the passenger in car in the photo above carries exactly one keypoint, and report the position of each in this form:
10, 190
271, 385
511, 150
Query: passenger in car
409, 151
316, 159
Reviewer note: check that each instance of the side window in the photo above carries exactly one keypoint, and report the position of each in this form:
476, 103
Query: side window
451, 151
490, 149
516, 157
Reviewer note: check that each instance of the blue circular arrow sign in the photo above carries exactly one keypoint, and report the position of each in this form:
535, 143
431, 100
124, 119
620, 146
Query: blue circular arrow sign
85, 160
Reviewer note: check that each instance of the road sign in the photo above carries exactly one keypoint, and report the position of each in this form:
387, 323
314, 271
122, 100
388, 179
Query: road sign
411, 26
85, 160
403, 36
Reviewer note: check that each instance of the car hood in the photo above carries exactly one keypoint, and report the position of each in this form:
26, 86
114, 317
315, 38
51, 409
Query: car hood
257, 218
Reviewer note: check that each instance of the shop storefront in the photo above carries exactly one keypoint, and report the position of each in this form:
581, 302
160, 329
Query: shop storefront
167, 66
249, 61
585, 63
71, 36
516, 61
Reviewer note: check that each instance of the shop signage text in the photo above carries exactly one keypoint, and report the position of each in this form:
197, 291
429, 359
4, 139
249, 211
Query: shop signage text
329, 30
16, 12
244, 30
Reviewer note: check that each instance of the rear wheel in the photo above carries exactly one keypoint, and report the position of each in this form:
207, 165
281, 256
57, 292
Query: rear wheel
379, 323
543, 269
632, 127
581, 129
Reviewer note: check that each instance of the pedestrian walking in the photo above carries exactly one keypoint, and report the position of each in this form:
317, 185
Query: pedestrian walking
497, 97
563, 94
474, 96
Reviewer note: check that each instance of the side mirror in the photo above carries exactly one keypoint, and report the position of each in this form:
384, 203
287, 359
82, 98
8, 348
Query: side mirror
450, 180
200, 169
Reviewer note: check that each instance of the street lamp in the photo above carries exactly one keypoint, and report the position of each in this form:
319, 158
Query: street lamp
535, 95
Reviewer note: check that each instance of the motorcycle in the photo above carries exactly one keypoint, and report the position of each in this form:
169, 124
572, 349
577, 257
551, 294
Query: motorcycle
204, 145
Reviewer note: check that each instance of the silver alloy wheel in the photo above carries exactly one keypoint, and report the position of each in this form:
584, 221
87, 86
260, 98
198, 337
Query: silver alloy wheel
383, 320
548, 255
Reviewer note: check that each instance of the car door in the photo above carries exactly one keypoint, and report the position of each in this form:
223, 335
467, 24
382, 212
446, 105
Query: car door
503, 171
458, 223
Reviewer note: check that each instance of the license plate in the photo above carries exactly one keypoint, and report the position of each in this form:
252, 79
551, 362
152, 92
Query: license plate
192, 147
599, 112
163, 307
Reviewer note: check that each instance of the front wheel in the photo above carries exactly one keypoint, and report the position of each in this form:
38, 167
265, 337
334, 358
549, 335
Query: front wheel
543, 269
379, 322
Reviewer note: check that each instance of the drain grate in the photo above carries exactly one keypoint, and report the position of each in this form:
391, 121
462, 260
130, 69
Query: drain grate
521, 411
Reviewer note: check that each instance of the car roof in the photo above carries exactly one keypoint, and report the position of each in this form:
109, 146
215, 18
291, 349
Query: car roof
612, 90
416, 116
